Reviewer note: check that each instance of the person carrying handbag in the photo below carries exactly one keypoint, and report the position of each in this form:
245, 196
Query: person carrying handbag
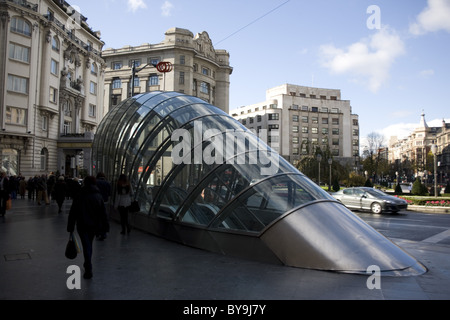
124, 193
88, 213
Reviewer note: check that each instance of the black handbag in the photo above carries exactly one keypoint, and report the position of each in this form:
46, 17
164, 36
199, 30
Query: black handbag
134, 207
71, 248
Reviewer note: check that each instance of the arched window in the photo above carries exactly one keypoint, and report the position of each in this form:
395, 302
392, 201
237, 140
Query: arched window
21, 25
94, 68
44, 158
55, 44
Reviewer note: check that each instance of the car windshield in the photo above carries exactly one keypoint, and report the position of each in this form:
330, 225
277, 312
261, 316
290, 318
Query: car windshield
375, 192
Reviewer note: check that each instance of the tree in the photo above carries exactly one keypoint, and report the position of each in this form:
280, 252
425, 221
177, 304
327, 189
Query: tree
418, 188
372, 153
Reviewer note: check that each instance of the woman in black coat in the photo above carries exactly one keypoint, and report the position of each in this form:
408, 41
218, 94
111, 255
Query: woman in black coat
88, 212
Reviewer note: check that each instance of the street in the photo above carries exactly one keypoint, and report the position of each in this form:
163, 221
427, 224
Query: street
411, 225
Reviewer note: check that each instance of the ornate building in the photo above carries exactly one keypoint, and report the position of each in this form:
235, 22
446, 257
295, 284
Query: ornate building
413, 156
198, 69
51, 87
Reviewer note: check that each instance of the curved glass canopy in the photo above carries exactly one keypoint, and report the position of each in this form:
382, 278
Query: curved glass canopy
204, 180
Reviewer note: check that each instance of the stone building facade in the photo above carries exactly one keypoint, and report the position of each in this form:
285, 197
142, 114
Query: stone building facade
51, 87
198, 69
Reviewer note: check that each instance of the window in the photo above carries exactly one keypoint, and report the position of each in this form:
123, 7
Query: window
181, 81
182, 60
315, 120
304, 108
67, 127
304, 130
44, 120
251, 120
53, 95
314, 130
17, 84
324, 120
273, 127
16, 116
94, 69
92, 110
314, 109
335, 131
54, 67
305, 119
116, 65
18, 52
295, 118
136, 62
20, 25
205, 71
137, 82
204, 87
294, 139
355, 122
153, 80
274, 116
153, 61
355, 132
335, 121
324, 130
55, 44
295, 129
335, 142
93, 88
116, 83
258, 118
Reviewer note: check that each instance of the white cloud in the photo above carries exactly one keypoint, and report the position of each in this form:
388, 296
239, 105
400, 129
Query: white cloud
134, 5
369, 60
434, 17
166, 8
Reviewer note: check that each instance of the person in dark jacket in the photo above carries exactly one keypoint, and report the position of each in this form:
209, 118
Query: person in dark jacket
88, 212
59, 192
4, 192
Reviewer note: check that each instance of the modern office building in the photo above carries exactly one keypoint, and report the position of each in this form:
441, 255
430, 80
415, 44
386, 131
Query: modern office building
51, 87
413, 156
204, 180
300, 119
198, 69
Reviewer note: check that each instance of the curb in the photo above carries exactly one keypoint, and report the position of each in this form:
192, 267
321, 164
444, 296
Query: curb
429, 209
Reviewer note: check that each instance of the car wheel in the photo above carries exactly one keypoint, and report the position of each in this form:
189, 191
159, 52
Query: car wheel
375, 207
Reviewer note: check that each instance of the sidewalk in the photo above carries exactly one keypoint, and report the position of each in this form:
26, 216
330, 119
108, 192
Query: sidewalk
141, 266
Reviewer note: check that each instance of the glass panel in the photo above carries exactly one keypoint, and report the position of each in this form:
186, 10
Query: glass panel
267, 201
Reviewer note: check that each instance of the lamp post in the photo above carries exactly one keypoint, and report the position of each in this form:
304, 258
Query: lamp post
434, 151
330, 161
319, 158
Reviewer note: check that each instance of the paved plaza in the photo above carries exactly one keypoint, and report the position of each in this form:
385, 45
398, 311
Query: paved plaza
140, 266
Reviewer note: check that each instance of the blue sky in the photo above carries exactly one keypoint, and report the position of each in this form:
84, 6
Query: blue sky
391, 61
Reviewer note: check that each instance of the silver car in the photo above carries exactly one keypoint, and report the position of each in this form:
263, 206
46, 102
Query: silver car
374, 200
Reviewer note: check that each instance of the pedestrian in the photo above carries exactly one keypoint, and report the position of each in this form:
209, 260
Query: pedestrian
88, 213
59, 192
123, 201
31, 187
42, 190
105, 190
4, 192
22, 187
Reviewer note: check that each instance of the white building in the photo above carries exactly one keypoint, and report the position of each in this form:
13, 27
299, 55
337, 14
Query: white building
304, 117
51, 87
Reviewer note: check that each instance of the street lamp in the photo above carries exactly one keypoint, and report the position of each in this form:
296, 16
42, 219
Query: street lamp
434, 151
330, 161
319, 158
